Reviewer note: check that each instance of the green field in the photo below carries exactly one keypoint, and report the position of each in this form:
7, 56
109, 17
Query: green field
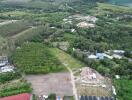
35, 58
67, 59
123, 89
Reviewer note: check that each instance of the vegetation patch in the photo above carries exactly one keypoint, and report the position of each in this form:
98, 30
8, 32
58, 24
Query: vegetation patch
13, 28
6, 77
123, 89
67, 60
16, 88
35, 58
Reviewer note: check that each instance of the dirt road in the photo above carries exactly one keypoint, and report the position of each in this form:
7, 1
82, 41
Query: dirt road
72, 81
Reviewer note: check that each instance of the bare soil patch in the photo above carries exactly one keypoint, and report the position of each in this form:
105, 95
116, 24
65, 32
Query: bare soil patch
90, 82
59, 83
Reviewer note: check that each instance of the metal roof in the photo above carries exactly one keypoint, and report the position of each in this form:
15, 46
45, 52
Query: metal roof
96, 98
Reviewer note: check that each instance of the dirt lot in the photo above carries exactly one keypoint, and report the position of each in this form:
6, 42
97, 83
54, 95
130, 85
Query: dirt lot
59, 83
83, 89
90, 82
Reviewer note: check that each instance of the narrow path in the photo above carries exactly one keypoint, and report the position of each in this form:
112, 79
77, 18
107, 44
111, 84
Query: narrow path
73, 83
23, 32
70, 63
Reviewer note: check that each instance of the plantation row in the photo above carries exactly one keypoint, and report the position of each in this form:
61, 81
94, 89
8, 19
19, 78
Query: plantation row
13, 28
36, 58
35, 34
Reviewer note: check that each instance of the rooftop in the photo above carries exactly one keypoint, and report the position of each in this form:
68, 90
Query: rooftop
24, 96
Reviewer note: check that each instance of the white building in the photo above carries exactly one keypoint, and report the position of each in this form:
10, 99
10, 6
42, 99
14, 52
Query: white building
7, 68
117, 76
114, 90
117, 56
108, 56
85, 25
92, 57
118, 51
73, 30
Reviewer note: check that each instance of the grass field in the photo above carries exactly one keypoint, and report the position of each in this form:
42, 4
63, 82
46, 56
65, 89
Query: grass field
67, 59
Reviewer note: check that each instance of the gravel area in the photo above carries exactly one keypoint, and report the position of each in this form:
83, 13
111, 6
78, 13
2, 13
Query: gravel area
59, 83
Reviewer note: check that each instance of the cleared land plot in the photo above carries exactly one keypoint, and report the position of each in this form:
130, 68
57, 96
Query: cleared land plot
67, 59
91, 83
59, 83
13, 28
92, 90
7, 22
22, 33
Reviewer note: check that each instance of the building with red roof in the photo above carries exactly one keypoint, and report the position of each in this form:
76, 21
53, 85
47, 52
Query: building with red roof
23, 96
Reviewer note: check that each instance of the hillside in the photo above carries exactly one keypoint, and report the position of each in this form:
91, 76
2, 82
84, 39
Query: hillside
88, 42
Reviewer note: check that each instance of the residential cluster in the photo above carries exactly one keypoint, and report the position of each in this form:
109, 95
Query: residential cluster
110, 54
84, 21
5, 66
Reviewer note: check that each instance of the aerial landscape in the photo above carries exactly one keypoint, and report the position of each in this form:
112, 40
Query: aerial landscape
65, 49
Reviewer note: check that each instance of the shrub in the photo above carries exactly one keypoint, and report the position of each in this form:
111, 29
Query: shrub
5, 77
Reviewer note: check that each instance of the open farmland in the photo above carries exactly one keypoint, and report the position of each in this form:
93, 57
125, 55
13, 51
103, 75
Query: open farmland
9, 43
13, 28
31, 34
35, 58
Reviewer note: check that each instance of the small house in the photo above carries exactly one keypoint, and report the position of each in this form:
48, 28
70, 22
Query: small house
92, 57
119, 52
108, 56
117, 56
100, 56
59, 98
